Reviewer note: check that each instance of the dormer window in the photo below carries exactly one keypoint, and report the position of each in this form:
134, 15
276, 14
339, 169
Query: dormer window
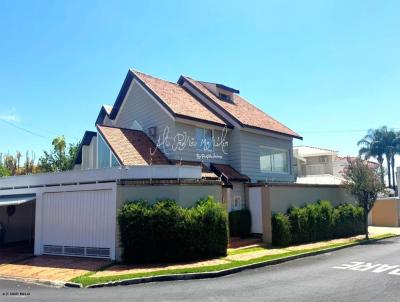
225, 97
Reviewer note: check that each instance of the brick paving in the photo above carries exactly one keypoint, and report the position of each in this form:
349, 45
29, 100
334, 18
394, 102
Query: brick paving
51, 268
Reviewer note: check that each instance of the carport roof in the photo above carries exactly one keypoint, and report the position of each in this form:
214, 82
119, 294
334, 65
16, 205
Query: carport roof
13, 200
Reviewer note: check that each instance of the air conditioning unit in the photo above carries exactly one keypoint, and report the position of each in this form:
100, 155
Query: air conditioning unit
152, 131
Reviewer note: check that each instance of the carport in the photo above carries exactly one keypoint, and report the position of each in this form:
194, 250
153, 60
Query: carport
17, 225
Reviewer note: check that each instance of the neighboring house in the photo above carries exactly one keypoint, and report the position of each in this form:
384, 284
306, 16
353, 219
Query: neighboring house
314, 165
154, 121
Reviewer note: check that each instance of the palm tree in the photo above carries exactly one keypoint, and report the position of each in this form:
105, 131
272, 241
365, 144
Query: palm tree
389, 140
372, 146
396, 144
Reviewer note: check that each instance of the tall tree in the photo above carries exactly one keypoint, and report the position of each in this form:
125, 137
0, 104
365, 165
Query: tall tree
363, 181
372, 145
18, 156
10, 164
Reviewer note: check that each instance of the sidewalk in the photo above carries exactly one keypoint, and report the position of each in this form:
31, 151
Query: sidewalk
240, 254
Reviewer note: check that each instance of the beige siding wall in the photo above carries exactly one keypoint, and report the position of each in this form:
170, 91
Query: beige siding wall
20, 226
282, 197
186, 194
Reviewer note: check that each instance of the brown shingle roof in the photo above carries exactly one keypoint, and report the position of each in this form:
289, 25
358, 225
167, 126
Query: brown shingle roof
179, 100
228, 172
132, 147
244, 112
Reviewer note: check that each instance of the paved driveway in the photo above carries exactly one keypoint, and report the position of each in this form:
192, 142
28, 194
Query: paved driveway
15, 253
51, 268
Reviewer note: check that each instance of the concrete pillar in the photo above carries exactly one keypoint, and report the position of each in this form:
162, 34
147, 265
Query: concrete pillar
266, 214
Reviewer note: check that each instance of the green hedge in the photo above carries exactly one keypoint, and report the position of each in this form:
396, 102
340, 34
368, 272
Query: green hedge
167, 232
349, 220
315, 222
240, 223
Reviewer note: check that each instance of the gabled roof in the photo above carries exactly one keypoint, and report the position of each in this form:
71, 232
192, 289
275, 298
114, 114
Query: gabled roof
86, 140
104, 111
132, 147
181, 103
174, 98
242, 111
228, 173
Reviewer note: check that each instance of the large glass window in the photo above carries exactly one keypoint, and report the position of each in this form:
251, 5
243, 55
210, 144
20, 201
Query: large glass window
274, 160
105, 158
103, 154
204, 139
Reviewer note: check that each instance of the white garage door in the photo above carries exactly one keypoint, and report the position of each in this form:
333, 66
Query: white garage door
80, 223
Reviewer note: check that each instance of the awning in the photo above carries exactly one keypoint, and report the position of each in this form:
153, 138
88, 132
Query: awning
14, 200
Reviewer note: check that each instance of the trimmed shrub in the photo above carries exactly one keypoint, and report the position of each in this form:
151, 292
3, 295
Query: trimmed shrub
240, 223
298, 218
348, 220
281, 234
165, 231
315, 222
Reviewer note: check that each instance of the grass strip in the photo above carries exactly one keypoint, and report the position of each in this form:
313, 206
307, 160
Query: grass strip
87, 279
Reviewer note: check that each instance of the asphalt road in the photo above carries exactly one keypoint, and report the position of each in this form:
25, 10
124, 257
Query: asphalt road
337, 276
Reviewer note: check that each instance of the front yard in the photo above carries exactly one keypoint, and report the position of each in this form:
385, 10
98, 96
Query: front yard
235, 258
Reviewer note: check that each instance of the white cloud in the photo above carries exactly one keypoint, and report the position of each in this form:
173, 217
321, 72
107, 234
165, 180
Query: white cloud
10, 115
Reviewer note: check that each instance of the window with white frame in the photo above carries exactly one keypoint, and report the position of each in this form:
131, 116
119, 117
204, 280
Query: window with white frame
204, 139
274, 160
105, 157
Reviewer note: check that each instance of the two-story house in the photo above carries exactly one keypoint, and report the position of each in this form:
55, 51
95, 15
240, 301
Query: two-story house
154, 121
313, 165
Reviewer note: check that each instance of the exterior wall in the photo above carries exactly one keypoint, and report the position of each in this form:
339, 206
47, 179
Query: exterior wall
235, 154
186, 194
282, 197
89, 155
314, 163
250, 156
141, 107
386, 212
191, 153
276, 198
338, 166
20, 226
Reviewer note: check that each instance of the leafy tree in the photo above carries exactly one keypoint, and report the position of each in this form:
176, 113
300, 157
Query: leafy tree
61, 158
10, 164
4, 171
363, 181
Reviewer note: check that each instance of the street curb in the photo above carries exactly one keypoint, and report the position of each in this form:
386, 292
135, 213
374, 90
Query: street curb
205, 275
72, 285
47, 283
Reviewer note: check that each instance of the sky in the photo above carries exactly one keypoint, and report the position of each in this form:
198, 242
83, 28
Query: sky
329, 70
